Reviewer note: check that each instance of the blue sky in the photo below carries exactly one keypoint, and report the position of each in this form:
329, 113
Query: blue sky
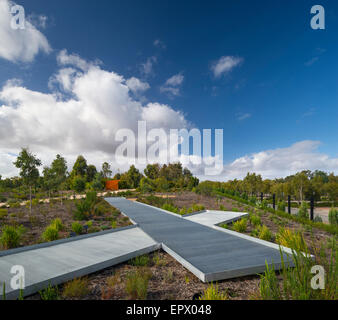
282, 91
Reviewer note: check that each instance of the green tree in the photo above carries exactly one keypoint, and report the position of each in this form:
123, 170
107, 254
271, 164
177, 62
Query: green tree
106, 170
134, 175
91, 172
152, 171
28, 165
80, 167
79, 184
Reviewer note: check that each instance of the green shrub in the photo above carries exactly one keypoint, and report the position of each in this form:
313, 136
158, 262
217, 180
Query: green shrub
265, 233
290, 239
296, 281
114, 224
318, 219
51, 233
333, 216
57, 223
50, 293
140, 261
170, 207
137, 284
240, 225
303, 211
76, 288
11, 236
213, 293
3, 213
281, 206
77, 227
255, 220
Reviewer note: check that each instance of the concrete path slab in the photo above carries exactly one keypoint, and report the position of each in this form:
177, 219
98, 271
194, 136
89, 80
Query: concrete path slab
214, 217
206, 251
67, 260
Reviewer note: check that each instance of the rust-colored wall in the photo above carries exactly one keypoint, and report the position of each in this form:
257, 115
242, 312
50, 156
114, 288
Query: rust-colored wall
112, 185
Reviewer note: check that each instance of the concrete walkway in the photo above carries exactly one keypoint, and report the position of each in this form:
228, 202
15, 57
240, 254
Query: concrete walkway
70, 258
208, 251
211, 253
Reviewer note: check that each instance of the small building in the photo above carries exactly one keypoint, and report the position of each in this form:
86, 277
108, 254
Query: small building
112, 185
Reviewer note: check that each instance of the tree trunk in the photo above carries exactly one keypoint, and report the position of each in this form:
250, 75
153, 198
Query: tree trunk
61, 199
30, 199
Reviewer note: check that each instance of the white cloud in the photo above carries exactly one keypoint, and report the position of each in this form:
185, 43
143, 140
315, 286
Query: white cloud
147, 67
136, 85
282, 162
159, 44
225, 64
19, 45
172, 85
81, 116
243, 116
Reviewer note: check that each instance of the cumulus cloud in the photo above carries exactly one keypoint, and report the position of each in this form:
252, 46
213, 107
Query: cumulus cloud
224, 65
281, 162
172, 85
19, 45
136, 85
80, 116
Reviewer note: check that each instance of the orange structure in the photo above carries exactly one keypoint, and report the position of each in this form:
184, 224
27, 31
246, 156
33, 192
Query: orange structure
112, 185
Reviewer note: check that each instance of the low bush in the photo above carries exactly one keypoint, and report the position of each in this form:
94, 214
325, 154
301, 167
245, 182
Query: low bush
77, 227
265, 233
76, 288
57, 223
170, 207
303, 211
50, 293
281, 205
213, 293
255, 220
11, 236
290, 239
51, 233
333, 216
140, 261
296, 281
137, 284
3, 213
240, 225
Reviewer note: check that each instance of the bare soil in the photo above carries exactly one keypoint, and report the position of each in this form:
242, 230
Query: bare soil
44, 213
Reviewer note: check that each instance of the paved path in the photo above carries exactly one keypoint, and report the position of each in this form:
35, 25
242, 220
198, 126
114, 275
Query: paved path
69, 259
209, 253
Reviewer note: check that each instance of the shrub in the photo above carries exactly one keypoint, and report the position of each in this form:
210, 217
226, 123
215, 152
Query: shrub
170, 207
50, 293
11, 236
318, 219
281, 206
140, 261
240, 225
3, 213
77, 227
253, 200
51, 233
76, 288
303, 211
137, 284
265, 234
255, 220
295, 283
213, 293
293, 240
333, 216
114, 224
57, 223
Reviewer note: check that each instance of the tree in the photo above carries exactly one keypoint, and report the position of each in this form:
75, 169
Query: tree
28, 165
97, 183
80, 167
134, 176
106, 170
152, 171
300, 182
91, 172
79, 184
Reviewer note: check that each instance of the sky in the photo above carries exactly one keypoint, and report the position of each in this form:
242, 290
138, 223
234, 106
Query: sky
81, 70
